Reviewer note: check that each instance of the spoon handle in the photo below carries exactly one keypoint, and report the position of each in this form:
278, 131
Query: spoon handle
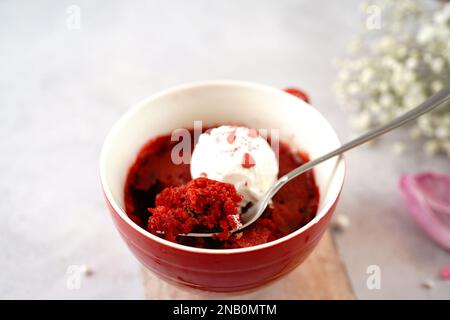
429, 104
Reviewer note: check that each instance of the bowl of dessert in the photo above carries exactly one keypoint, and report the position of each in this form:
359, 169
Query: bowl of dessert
195, 158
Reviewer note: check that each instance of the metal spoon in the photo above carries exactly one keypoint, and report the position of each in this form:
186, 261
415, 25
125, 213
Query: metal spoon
258, 208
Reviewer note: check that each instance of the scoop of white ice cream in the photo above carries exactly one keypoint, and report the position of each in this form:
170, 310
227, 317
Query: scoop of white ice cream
236, 155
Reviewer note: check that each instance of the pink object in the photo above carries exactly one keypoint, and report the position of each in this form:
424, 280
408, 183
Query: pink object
427, 197
444, 273
215, 103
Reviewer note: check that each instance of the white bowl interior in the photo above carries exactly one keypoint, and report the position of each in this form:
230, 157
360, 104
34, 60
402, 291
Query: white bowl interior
215, 103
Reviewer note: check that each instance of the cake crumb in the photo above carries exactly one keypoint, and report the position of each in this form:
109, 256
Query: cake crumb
238, 235
86, 270
427, 284
340, 222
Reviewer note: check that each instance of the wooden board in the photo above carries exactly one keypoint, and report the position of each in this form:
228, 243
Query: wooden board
321, 276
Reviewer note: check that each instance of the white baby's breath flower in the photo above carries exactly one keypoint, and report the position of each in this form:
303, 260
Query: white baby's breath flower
442, 17
408, 76
374, 107
426, 34
382, 117
386, 43
383, 86
399, 87
425, 126
442, 132
353, 88
436, 85
392, 71
362, 120
413, 99
401, 51
366, 75
386, 100
437, 65
344, 74
355, 45
412, 62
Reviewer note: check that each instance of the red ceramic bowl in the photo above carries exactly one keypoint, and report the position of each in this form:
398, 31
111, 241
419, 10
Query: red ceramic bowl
221, 102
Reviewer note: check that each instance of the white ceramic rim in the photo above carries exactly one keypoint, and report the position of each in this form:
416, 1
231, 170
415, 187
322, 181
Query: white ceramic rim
320, 215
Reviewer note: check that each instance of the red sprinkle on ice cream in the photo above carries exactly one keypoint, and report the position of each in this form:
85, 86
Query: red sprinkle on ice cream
248, 162
253, 133
231, 136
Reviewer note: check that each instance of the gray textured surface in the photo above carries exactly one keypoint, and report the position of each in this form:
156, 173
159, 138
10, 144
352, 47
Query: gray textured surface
61, 90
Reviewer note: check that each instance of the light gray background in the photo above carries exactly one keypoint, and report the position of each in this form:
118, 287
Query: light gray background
61, 90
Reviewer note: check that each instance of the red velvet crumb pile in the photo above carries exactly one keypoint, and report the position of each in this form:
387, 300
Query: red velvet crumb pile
200, 205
